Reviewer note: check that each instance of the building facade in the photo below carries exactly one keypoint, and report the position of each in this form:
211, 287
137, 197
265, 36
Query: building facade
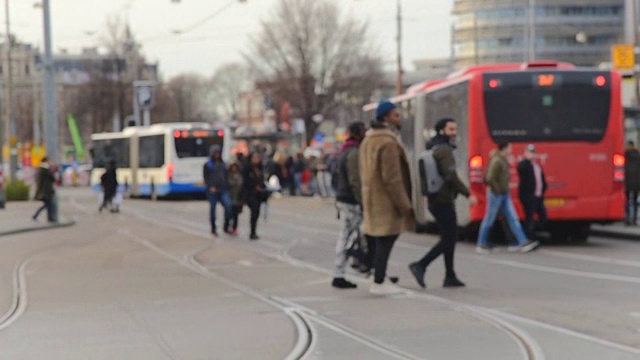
498, 31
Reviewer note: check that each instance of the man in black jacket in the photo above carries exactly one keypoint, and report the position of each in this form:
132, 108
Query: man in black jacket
348, 199
531, 190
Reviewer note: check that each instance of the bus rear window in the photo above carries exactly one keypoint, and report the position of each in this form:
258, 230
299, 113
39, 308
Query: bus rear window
187, 147
547, 105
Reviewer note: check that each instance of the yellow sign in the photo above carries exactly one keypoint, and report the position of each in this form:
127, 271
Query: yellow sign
623, 57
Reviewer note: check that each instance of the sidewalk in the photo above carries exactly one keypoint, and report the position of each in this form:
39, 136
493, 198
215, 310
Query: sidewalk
617, 230
15, 218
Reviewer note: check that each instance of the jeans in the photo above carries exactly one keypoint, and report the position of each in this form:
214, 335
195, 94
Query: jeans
533, 204
497, 203
352, 215
631, 210
445, 215
225, 198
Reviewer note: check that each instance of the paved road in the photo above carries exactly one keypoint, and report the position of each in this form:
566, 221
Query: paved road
151, 283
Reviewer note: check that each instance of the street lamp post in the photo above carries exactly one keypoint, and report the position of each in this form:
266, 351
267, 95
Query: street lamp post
49, 90
9, 128
399, 87
532, 30
634, 39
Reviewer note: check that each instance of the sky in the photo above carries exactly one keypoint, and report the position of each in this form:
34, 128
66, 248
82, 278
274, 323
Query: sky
223, 39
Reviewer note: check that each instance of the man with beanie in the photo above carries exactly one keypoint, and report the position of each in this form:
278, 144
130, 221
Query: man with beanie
216, 180
348, 199
386, 191
442, 204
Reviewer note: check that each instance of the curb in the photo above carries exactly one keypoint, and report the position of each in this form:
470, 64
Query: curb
37, 228
615, 234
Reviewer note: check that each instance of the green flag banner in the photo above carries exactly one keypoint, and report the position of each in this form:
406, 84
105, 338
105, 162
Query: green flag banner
75, 136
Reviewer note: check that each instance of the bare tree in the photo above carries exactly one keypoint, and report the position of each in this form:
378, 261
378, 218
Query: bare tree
224, 87
316, 58
188, 94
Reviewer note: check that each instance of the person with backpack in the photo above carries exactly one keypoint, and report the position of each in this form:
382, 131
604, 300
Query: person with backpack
348, 200
442, 201
216, 180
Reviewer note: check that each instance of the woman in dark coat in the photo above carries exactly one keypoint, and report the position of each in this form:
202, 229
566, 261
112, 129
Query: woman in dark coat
45, 191
254, 190
109, 183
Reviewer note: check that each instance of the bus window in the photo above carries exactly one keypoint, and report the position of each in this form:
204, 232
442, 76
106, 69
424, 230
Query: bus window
111, 149
196, 146
547, 106
151, 151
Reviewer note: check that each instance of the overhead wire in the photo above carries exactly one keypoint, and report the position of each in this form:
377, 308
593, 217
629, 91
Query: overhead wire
191, 27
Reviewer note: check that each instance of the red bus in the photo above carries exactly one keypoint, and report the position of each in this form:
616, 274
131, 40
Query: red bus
573, 116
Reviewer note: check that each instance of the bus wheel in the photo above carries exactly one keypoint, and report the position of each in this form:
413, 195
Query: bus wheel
580, 232
154, 194
559, 233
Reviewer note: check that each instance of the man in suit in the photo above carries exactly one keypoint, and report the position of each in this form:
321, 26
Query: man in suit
531, 190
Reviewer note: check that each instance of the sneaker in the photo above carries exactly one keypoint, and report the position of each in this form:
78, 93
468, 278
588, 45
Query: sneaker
234, 232
452, 282
384, 289
254, 237
529, 246
214, 233
228, 232
341, 283
483, 250
418, 272
513, 248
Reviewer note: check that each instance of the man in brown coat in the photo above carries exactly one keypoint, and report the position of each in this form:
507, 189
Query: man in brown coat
386, 191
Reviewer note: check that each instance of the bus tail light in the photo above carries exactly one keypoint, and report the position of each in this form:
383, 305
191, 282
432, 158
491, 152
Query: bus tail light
170, 168
618, 167
618, 160
475, 170
220, 133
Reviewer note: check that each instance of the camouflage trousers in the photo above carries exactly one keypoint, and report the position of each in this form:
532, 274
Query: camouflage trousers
352, 215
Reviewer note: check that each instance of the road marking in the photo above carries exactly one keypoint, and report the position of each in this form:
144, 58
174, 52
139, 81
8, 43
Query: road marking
554, 270
599, 259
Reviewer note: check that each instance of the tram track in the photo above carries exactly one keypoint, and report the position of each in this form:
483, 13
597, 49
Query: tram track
529, 348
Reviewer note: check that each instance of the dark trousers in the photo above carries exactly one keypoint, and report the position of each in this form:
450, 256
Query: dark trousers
254, 207
235, 212
379, 250
631, 210
47, 204
533, 205
445, 215
107, 199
